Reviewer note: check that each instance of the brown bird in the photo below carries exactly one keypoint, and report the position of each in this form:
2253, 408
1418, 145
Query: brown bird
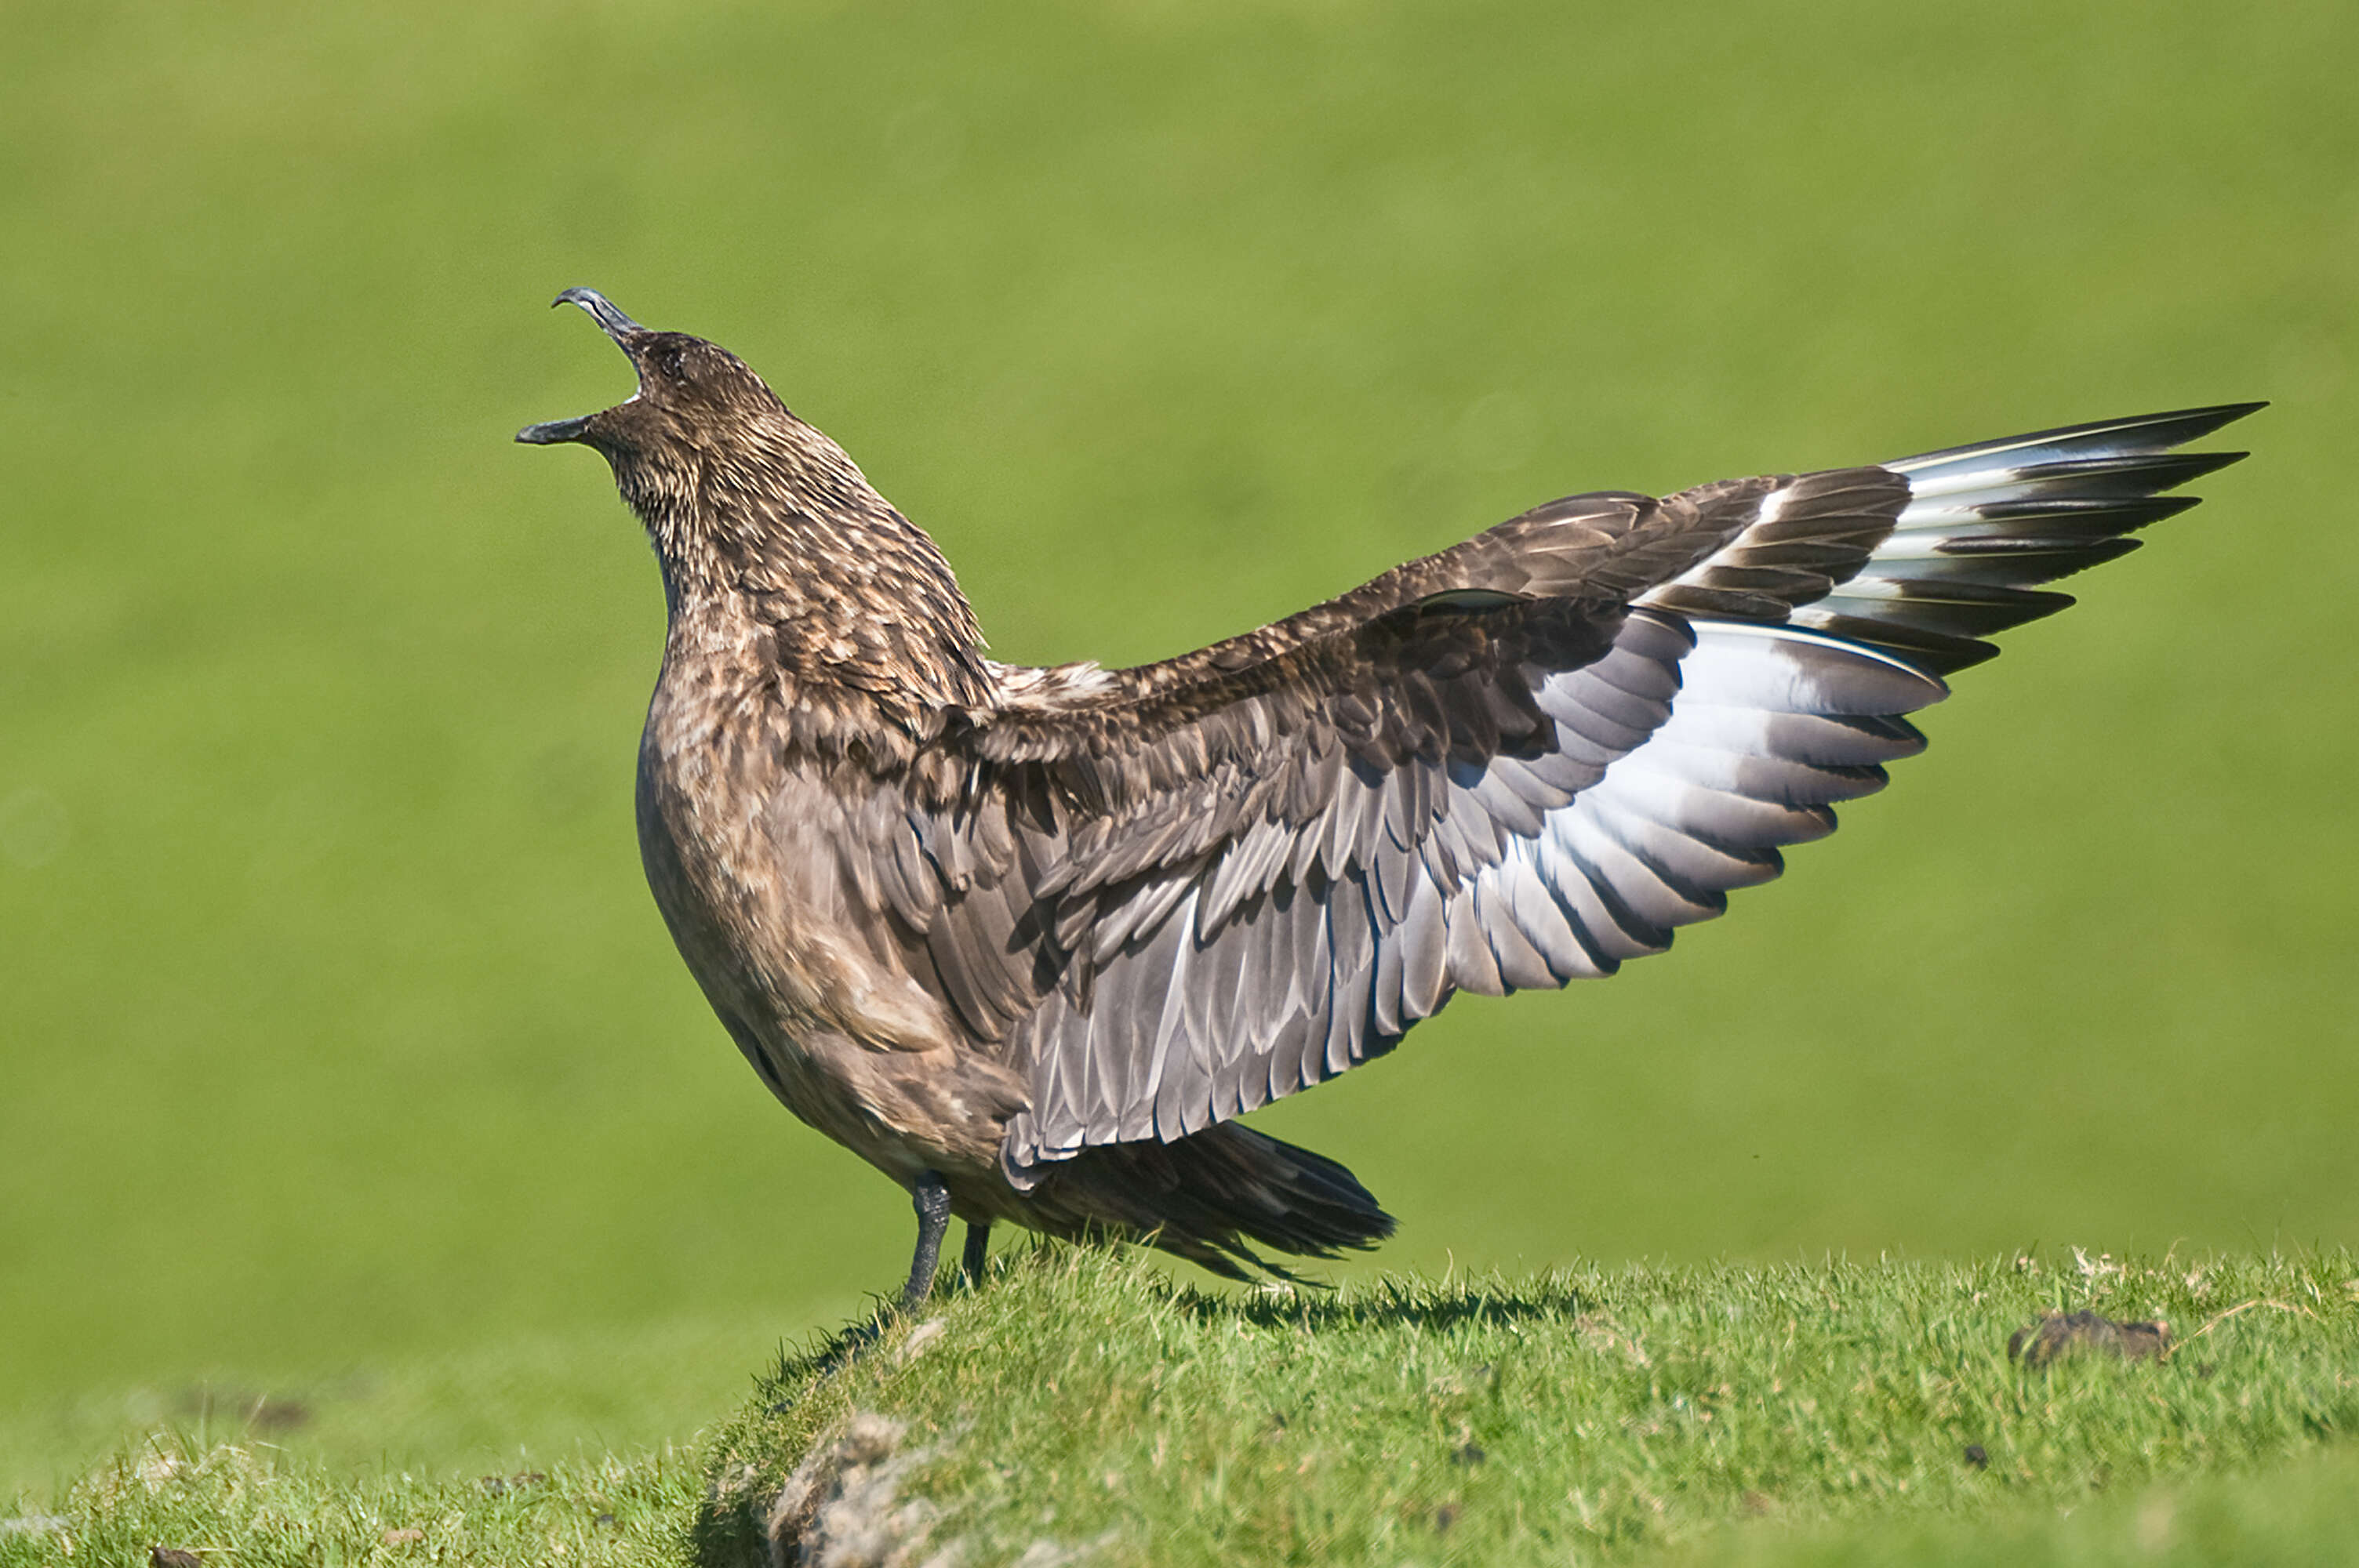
1030, 940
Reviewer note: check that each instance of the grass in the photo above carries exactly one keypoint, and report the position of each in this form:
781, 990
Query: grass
1601, 1414
240, 1506
2296, 1514
1083, 1407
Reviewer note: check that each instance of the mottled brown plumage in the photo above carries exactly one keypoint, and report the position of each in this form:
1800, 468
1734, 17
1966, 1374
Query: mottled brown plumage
1029, 940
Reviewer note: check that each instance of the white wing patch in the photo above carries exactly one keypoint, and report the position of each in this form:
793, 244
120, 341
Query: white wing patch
1764, 736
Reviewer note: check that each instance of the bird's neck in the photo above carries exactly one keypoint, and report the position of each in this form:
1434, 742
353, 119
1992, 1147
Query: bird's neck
827, 595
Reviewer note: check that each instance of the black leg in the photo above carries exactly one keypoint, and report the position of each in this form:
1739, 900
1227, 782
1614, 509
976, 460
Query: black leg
932, 1202
978, 1251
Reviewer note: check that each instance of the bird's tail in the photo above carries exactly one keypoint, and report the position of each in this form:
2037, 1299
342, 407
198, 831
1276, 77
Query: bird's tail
1214, 1196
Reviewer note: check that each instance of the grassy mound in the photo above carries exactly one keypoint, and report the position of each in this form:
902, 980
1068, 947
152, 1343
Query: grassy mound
1084, 1407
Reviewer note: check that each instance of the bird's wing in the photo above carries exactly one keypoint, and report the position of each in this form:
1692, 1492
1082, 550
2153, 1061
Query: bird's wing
1175, 893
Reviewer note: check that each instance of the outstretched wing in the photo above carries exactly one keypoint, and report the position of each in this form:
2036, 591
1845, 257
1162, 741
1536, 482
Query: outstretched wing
1176, 893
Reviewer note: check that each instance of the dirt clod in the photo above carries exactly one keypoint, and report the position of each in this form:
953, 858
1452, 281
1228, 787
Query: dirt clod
841, 1507
2058, 1334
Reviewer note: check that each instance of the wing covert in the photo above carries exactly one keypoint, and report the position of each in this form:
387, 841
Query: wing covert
1659, 775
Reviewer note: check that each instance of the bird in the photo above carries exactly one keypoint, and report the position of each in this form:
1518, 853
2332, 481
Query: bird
1031, 940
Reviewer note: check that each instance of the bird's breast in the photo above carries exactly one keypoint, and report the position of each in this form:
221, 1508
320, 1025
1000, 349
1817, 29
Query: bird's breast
745, 848
744, 852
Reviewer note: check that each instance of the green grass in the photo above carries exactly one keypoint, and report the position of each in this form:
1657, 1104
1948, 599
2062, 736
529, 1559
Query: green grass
341, 1046
1084, 1403
1602, 1413
2296, 1514
242, 1505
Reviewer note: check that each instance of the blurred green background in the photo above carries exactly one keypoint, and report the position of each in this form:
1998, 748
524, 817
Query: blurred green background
344, 1058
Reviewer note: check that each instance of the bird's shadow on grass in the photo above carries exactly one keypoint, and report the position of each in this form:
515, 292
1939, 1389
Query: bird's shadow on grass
1387, 1307
1384, 1304
796, 1374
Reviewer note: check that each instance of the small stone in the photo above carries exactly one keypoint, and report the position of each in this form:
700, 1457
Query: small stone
1977, 1456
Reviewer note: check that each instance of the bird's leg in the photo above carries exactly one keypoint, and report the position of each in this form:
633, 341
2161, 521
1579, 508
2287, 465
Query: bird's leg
978, 1251
931, 1198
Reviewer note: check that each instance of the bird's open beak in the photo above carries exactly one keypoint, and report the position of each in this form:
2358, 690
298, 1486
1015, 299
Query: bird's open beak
616, 325
549, 433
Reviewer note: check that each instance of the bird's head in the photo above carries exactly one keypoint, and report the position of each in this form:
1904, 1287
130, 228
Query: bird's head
694, 399
749, 506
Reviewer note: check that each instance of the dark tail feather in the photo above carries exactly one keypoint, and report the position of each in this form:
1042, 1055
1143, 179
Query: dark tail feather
1212, 1196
